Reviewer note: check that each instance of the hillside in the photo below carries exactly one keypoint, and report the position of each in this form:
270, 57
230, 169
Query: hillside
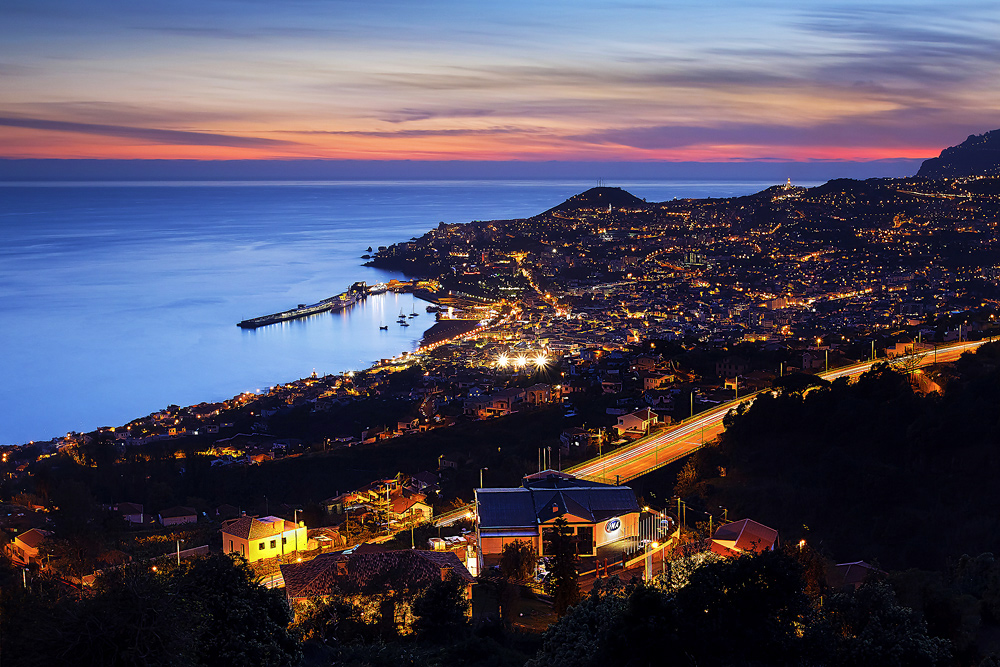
600, 198
979, 155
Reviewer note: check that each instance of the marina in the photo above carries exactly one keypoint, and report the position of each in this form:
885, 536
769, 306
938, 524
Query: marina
333, 304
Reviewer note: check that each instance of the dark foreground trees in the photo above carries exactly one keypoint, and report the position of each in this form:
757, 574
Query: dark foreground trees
751, 610
210, 611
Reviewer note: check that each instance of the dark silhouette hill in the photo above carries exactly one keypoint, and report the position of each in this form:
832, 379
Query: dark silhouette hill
600, 197
979, 155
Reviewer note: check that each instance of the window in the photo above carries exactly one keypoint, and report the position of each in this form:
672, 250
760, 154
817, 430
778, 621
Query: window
274, 543
260, 547
585, 540
284, 540
230, 546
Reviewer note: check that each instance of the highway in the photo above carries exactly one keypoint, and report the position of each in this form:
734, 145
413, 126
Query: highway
675, 442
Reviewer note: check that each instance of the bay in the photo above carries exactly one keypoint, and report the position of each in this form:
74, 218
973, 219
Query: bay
118, 299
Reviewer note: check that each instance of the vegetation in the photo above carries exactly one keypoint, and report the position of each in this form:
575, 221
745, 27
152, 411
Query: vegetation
563, 582
751, 610
210, 611
872, 468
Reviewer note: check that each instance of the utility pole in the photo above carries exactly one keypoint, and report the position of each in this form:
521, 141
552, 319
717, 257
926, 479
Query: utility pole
828, 361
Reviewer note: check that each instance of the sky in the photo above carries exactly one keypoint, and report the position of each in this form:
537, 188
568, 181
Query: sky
576, 80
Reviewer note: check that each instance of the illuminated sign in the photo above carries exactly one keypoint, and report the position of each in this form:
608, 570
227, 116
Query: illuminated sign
612, 526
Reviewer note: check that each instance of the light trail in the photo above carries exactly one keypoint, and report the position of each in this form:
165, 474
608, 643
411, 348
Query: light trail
672, 444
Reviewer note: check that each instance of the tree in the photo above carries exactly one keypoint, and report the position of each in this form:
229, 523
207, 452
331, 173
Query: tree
242, 622
564, 582
442, 611
517, 561
868, 627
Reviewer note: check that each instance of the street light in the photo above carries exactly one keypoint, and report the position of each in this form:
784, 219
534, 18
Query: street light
179, 551
481, 476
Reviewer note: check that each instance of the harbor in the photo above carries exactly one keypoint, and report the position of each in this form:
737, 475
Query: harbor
357, 292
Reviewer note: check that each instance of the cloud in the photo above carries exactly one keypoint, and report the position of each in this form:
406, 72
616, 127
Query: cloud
153, 135
457, 132
902, 129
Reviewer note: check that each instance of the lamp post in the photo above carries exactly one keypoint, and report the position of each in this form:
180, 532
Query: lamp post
481, 476
179, 551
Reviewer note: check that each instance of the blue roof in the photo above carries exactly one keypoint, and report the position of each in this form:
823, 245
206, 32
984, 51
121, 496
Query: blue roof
543, 501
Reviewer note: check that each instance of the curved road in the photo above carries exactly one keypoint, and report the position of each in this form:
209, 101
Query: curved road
666, 446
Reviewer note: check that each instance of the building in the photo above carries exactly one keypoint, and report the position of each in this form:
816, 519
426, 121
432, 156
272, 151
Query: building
746, 535
637, 423
851, 576
24, 548
175, 516
131, 512
598, 514
410, 507
256, 538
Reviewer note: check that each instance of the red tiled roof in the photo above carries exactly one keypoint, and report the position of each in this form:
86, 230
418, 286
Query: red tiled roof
369, 572
254, 528
32, 538
744, 535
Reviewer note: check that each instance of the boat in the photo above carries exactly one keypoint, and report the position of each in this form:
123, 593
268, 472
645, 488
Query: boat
404, 324
383, 327
414, 312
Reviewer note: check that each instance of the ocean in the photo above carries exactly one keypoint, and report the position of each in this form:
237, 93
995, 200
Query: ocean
118, 299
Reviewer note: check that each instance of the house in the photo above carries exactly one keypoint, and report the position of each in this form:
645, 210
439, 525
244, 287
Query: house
256, 538
731, 366
637, 423
574, 439
598, 514
425, 482
746, 535
537, 394
405, 572
131, 512
24, 548
851, 576
409, 507
175, 516
655, 380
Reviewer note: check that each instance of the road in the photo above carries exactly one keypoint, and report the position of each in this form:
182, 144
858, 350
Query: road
678, 441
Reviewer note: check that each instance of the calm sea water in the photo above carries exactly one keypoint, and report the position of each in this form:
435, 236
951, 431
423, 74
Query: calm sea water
119, 299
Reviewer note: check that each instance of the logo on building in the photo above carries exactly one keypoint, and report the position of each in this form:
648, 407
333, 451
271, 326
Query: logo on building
612, 526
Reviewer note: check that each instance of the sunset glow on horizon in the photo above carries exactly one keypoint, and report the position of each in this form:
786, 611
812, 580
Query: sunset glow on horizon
445, 80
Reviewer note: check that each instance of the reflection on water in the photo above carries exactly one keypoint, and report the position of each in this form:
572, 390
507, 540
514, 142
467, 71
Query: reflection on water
117, 300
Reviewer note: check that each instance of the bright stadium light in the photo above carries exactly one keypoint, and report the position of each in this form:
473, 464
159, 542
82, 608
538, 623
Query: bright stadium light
522, 361
503, 360
540, 360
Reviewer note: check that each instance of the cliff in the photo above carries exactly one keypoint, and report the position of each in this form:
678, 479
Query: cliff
979, 155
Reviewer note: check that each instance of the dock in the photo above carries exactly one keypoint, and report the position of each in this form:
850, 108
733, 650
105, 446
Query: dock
333, 304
